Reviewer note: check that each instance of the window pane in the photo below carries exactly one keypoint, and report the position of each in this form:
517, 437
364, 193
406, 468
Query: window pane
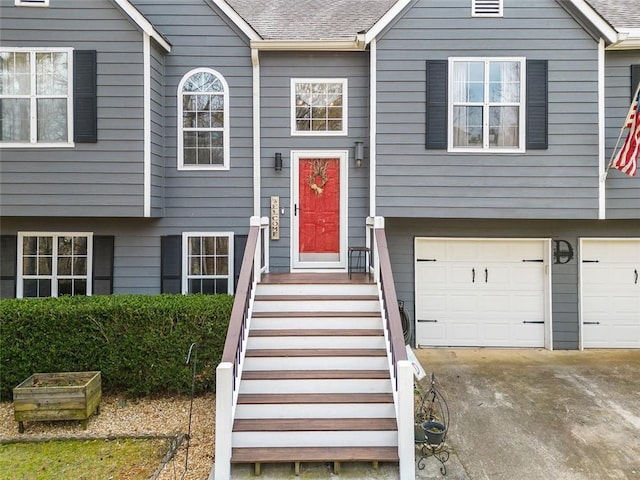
45, 245
80, 266
335, 125
209, 266
29, 245
189, 119
217, 156
209, 244
190, 139
194, 266
503, 126
222, 245
222, 266
64, 265
195, 285
30, 288
44, 265
80, 245
204, 156
303, 125
64, 245
208, 286
222, 285
189, 156
216, 139
15, 77
65, 287
51, 73
467, 126
504, 82
15, 119
79, 286
318, 125
203, 82
194, 245
29, 265
468, 82
52, 119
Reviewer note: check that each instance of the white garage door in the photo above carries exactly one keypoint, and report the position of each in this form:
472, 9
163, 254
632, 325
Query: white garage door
610, 293
478, 292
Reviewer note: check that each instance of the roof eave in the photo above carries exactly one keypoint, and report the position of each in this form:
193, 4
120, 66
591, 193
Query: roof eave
628, 40
240, 22
145, 25
336, 45
385, 20
606, 31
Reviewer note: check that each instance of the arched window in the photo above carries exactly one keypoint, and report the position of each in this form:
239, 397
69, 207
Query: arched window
203, 121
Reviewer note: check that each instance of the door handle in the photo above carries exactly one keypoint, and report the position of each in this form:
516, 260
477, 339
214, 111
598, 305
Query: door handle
295, 209
636, 274
473, 275
486, 275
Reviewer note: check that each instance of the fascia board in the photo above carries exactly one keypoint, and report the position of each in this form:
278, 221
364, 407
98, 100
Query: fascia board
309, 45
237, 20
145, 25
385, 20
606, 30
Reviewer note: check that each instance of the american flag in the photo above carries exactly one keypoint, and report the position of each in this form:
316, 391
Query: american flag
627, 158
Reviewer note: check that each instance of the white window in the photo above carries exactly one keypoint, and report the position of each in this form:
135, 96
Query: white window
486, 107
203, 121
32, 3
318, 107
486, 8
36, 97
207, 262
54, 264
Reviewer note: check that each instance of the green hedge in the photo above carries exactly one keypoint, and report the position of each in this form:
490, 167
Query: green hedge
138, 342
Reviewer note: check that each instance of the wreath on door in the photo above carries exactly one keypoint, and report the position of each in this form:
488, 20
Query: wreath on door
318, 171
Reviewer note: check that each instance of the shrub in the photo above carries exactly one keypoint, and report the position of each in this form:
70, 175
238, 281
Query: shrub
138, 342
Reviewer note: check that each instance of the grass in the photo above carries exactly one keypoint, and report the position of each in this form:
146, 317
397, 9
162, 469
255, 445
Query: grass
121, 459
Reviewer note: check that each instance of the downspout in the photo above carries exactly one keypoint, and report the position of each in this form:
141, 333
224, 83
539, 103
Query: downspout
146, 115
602, 212
373, 112
255, 62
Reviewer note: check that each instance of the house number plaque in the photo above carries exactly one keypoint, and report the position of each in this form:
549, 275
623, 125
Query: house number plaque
275, 218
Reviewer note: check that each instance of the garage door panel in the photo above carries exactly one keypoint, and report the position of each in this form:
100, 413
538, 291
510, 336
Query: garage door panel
489, 291
610, 296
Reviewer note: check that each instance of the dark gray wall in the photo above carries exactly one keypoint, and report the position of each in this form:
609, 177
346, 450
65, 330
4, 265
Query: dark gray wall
561, 182
277, 70
90, 179
402, 232
622, 191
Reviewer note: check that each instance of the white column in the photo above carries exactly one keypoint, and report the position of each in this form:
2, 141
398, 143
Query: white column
406, 435
224, 420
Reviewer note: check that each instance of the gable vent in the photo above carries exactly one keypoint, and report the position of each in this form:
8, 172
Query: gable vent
487, 8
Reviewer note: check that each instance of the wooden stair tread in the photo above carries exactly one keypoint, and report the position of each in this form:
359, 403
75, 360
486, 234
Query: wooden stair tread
374, 314
314, 454
317, 352
312, 398
314, 374
314, 424
313, 298
318, 332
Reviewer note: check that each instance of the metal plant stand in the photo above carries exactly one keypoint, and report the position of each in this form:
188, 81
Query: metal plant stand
432, 415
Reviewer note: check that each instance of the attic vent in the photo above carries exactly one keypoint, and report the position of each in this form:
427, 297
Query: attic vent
487, 8
32, 3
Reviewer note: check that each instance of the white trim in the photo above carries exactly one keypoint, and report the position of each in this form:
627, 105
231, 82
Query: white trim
295, 156
522, 106
147, 27
146, 53
54, 263
225, 131
237, 19
608, 32
385, 20
602, 212
185, 256
255, 63
356, 44
476, 14
345, 108
33, 98
373, 125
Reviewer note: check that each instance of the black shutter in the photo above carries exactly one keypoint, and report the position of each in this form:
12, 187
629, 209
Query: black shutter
635, 79
537, 105
8, 264
239, 245
171, 264
436, 107
85, 102
103, 265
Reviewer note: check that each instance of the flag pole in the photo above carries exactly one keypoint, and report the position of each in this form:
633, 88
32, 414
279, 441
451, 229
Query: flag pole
624, 125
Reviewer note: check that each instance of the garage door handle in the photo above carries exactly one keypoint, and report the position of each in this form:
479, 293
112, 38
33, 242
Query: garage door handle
473, 275
427, 321
591, 323
531, 321
636, 274
486, 275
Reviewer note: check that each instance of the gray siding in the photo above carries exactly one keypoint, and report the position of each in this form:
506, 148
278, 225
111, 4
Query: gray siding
622, 191
564, 295
157, 131
277, 70
559, 182
101, 179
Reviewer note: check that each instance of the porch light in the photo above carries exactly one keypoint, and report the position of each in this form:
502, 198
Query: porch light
359, 153
278, 162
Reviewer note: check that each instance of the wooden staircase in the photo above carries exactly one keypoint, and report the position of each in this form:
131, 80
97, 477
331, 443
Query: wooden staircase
315, 384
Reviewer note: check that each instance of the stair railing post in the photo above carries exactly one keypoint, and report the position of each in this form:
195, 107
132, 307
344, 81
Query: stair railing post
406, 434
224, 420
377, 222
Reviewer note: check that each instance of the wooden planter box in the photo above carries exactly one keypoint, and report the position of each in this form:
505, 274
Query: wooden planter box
57, 396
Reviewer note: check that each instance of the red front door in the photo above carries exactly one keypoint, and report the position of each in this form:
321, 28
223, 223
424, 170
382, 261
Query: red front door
319, 209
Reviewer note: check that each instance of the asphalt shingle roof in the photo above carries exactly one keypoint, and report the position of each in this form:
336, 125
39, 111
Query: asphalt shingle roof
310, 19
620, 14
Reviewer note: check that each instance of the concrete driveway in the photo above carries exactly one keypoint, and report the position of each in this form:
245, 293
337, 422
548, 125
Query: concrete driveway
536, 414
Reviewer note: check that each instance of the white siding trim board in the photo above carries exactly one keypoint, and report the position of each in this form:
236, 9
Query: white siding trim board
146, 49
602, 210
